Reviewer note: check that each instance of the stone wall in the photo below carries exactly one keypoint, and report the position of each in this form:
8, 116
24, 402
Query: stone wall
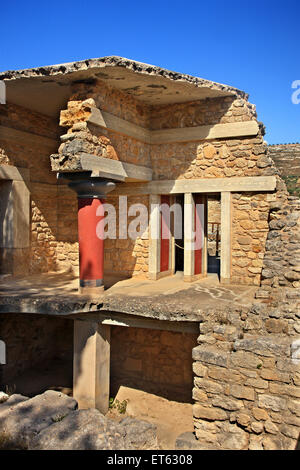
246, 386
281, 265
202, 159
287, 160
246, 364
33, 341
127, 257
249, 233
54, 207
26, 141
154, 361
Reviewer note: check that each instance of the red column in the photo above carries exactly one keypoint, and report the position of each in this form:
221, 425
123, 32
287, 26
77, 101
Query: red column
164, 242
91, 247
91, 193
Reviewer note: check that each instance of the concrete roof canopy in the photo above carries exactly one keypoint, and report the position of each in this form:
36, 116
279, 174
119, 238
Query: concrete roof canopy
47, 89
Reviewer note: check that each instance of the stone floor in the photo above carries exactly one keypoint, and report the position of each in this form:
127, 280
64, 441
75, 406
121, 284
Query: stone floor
169, 298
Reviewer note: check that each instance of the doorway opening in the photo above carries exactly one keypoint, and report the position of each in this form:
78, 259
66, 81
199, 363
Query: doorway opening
214, 234
179, 242
6, 224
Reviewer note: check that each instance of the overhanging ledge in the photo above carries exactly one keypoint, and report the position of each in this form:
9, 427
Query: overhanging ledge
100, 167
166, 136
203, 185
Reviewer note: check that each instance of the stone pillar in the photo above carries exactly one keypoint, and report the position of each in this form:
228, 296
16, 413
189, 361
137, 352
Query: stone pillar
91, 365
154, 236
91, 193
225, 237
189, 215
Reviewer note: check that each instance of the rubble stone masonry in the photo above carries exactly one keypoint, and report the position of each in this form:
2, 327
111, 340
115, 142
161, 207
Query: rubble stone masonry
246, 364
26, 140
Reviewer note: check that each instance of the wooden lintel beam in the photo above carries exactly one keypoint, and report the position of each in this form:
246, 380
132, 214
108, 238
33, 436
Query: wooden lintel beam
115, 168
164, 136
203, 185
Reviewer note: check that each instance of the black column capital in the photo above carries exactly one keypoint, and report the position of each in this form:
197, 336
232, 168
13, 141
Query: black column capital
87, 186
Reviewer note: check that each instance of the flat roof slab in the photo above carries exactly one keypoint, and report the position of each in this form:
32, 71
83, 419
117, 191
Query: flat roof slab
47, 89
169, 299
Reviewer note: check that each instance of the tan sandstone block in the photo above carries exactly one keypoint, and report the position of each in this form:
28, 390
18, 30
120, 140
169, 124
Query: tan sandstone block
211, 414
260, 414
209, 151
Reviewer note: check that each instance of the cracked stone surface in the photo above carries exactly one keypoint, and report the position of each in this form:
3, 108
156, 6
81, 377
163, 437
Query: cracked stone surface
51, 421
166, 299
46, 89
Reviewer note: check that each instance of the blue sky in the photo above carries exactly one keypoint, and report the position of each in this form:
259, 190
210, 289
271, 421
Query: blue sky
252, 45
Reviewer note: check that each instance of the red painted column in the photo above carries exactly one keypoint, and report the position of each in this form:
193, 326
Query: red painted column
91, 246
91, 192
165, 240
200, 223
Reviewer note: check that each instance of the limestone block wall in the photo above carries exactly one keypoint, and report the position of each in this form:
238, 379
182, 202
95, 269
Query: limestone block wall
101, 142
213, 209
250, 213
26, 141
155, 361
127, 256
287, 160
247, 362
281, 264
33, 341
203, 112
66, 245
219, 158
54, 208
246, 385
189, 160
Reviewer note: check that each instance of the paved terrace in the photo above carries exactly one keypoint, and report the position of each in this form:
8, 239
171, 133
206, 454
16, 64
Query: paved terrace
169, 299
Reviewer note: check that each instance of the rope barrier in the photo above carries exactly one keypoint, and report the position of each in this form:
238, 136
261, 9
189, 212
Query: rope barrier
181, 247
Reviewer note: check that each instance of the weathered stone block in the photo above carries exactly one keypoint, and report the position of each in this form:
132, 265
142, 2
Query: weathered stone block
270, 427
232, 437
199, 395
260, 414
271, 402
208, 385
28, 418
210, 356
239, 391
270, 374
257, 383
227, 375
244, 359
211, 414
263, 346
276, 326
243, 419
280, 389
257, 427
199, 369
227, 403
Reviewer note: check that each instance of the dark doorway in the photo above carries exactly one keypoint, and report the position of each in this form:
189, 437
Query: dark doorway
179, 242
214, 234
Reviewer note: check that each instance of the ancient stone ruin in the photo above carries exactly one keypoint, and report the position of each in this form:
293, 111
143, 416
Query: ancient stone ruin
197, 302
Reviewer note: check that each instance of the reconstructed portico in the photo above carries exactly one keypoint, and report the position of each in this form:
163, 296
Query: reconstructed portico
75, 137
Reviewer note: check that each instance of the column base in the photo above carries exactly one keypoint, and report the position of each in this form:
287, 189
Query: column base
91, 290
91, 287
